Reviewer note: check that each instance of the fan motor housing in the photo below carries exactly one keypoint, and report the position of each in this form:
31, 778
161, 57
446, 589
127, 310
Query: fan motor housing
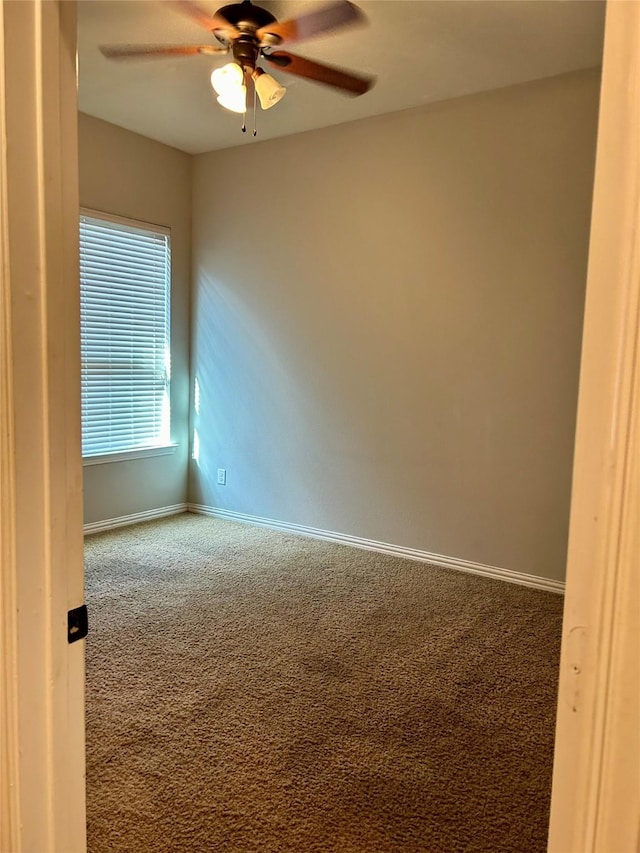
246, 16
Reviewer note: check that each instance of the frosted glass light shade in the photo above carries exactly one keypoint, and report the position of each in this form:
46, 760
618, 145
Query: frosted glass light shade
235, 100
227, 79
268, 89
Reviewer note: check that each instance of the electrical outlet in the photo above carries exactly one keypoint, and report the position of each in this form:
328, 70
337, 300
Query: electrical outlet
222, 476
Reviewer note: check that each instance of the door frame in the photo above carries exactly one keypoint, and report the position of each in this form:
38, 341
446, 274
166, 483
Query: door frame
42, 769
595, 803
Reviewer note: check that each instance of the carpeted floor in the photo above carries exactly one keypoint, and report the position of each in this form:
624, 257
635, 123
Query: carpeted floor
254, 691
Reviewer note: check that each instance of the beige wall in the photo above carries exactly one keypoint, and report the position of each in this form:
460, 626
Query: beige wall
126, 174
387, 318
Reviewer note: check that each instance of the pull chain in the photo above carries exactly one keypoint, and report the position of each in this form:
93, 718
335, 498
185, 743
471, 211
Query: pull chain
244, 114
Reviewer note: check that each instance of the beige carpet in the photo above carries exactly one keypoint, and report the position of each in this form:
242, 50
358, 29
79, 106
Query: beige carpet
253, 691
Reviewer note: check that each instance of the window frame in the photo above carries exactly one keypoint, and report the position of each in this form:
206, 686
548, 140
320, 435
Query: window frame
169, 447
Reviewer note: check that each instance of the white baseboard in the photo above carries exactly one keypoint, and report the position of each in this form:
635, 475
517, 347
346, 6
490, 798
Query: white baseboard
460, 565
134, 518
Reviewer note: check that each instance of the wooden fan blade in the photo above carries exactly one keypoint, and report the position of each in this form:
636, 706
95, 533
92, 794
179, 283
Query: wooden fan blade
209, 22
153, 51
354, 84
339, 14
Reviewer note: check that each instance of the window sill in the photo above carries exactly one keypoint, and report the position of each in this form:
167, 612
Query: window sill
127, 455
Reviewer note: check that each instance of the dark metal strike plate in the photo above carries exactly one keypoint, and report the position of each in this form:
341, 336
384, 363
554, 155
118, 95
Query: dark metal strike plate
77, 624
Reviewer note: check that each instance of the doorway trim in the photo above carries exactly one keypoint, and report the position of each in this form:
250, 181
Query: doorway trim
595, 802
42, 784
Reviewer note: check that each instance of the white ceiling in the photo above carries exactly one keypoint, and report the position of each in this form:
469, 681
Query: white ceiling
420, 50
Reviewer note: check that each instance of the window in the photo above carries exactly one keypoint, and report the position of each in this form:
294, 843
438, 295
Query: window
125, 284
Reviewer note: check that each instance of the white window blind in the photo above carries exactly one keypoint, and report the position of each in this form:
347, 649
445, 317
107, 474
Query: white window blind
125, 283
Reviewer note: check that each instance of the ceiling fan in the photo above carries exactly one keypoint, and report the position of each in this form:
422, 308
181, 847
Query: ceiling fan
251, 34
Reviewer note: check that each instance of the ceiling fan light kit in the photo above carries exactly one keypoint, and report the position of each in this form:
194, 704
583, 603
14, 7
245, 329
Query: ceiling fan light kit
250, 33
228, 83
